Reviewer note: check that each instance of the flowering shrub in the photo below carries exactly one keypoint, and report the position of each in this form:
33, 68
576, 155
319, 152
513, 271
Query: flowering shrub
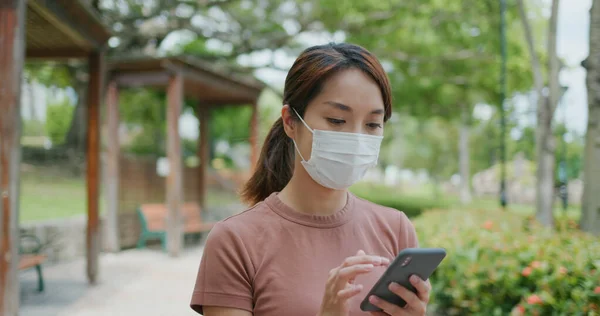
500, 263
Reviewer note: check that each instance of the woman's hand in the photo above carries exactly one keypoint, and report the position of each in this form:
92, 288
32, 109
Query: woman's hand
416, 304
340, 285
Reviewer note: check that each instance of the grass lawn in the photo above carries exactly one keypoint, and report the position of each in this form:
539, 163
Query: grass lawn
49, 195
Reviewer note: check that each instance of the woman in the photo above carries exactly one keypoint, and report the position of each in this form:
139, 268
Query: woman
308, 246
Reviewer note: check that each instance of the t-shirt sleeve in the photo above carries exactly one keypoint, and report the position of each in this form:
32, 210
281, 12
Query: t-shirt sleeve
408, 232
225, 274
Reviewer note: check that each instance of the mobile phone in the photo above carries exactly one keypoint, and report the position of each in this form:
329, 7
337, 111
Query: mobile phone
419, 261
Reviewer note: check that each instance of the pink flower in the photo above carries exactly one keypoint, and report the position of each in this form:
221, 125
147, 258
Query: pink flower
488, 225
536, 264
597, 290
520, 310
562, 270
526, 272
534, 299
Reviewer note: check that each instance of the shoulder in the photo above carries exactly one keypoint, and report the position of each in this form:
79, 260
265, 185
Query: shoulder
382, 212
395, 219
238, 226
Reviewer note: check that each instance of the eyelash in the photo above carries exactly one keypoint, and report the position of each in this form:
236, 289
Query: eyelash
340, 122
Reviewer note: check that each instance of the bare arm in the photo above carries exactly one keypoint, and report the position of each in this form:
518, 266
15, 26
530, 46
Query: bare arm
224, 311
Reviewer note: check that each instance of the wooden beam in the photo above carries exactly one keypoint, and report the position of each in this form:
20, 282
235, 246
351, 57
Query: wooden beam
141, 78
96, 69
213, 81
112, 168
12, 50
254, 136
203, 153
174, 178
44, 54
55, 17
76, 28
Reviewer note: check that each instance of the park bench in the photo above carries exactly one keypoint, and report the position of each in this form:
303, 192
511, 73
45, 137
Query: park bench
153, 219
30, 256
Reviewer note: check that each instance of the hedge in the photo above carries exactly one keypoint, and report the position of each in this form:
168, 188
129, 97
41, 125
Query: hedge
412, 206
501, 263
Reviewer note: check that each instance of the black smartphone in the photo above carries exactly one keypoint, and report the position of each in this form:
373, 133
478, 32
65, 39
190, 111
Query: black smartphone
419, 261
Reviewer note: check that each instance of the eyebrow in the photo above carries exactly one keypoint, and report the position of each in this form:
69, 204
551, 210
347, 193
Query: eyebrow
346, 108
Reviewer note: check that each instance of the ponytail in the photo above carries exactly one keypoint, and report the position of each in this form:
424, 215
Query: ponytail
274, 167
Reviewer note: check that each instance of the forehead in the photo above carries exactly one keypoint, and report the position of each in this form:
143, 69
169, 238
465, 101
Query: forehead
353, 88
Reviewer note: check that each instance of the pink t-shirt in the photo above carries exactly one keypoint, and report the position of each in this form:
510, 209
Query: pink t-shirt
273, 261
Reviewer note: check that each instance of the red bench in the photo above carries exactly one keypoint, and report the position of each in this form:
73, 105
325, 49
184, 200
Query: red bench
30, 257
153, 219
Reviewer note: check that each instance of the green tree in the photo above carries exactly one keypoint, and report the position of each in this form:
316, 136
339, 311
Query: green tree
443, 56
546, 106
590, 204
58, 120
433, 148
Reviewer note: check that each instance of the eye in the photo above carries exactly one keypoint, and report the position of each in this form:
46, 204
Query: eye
335, 121
374, 125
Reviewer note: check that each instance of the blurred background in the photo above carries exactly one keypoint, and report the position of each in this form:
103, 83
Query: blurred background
137, 112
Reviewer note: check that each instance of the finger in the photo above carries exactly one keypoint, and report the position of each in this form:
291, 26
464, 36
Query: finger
366, 259
412, 300
349, 291
348, 273
378, 314
360, 253
387, 307
423, 287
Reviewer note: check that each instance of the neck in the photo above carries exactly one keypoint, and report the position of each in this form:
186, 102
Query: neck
305, 195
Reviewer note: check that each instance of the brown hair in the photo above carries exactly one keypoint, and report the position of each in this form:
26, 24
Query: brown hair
304, 81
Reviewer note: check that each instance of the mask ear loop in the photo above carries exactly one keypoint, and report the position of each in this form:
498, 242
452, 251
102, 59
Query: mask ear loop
293, 140
300, 117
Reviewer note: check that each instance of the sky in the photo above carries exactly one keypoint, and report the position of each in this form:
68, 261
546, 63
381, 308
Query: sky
573, 47
573, 32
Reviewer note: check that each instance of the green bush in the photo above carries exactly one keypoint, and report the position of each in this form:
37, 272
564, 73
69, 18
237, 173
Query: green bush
412, 206
58, 120
500, 263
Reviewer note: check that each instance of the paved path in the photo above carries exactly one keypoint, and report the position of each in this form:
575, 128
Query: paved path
132, 282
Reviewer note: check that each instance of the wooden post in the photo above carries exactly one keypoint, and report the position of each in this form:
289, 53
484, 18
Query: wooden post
203, 154
254, 136
12, 52
95, 64
174, 179
112, 165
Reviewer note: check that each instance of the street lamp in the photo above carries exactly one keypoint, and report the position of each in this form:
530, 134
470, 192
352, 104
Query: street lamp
503, 199
562, 167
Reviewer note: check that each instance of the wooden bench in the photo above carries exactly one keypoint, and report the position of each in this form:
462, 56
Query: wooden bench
30, 256
153, 219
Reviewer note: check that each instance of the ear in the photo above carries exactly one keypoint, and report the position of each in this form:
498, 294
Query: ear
289, 120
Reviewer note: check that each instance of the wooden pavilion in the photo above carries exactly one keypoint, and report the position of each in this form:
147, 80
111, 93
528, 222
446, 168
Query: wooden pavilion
44, 29
70, 29
181, 77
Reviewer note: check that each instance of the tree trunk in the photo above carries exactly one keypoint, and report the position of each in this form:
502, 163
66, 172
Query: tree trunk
437, 194
463, 155
545, 112
31, 92
76, 136
546, 147
545, 168
590, 204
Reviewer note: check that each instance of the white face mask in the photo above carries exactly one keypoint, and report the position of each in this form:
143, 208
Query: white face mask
338, 159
